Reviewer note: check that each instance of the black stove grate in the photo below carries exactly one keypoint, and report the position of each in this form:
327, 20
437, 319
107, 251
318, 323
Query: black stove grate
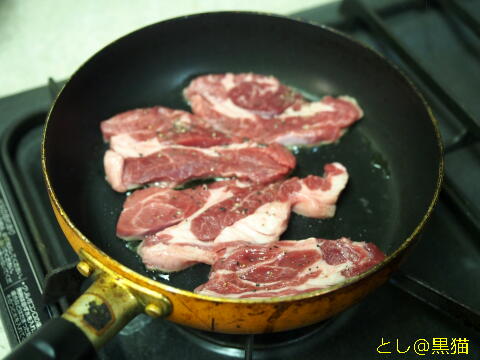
358, 9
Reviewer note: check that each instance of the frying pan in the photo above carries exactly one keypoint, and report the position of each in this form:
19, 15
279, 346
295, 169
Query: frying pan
394, 157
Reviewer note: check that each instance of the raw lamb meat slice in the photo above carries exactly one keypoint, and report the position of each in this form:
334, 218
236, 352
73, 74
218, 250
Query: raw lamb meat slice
320, 122
256, 214
287, 268
261, 109
166, 125
152, 209
244, 96
173, 165
144, 122
237, 102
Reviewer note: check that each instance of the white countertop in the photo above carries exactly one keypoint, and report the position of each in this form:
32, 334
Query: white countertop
46, 38
41, 39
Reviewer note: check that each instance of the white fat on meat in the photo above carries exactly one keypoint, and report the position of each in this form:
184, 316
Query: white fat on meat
307, 109
354, 102
227, 108
175, 257
128, 147
316, 107
321, 204
228, 81
264, 226
298, 138
113, 164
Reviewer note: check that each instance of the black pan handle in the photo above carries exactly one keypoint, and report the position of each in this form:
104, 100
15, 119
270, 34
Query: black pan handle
57, 339
95, 317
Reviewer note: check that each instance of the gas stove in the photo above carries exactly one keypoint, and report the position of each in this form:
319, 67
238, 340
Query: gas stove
430, 307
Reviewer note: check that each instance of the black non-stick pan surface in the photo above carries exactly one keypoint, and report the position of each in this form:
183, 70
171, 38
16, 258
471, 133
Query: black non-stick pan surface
392, 154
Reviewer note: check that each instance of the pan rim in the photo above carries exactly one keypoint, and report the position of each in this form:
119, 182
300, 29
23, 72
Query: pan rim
125, 272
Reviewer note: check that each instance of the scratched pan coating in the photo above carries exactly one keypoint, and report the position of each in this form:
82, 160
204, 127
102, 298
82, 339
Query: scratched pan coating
393, 154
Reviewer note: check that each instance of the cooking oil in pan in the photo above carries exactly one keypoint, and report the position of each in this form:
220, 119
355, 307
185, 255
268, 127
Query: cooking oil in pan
366, 208
380, 165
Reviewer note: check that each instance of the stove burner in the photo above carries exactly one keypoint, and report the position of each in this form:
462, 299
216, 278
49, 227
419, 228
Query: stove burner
228, 342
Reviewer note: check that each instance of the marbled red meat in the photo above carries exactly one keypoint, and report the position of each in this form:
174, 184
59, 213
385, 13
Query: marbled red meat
173, 165
236, 103
262, 109
256, 214
286, 268
166, 125
320, 122
152, 209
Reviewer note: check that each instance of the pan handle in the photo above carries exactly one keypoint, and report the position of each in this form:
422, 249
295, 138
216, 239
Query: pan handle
57, 339
95, 317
